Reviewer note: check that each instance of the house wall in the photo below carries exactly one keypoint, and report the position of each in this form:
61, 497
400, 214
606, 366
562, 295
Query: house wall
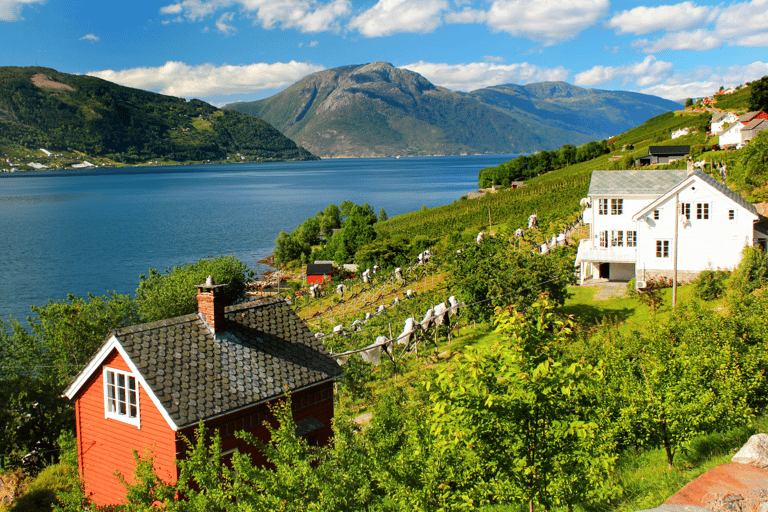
105, 445
717, 127
314, 402
314, 279
732, 135
610, 222
702, 244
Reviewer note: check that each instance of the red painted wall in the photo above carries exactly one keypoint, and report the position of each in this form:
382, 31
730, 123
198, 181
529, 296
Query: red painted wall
315, 279
104, 445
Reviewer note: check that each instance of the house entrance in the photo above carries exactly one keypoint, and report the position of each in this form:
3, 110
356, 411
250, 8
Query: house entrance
605, 271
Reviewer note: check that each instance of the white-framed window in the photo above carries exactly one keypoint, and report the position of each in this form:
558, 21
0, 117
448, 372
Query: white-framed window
657, 214
121, 396
631, 238
603, 239
702, 211
617, 239
617, 206
685, 209
731, 214
662, 248
602, 207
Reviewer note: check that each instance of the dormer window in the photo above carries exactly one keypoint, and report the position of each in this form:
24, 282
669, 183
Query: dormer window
121, 396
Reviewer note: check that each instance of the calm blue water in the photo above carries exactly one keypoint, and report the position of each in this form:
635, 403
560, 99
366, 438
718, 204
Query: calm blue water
95, 231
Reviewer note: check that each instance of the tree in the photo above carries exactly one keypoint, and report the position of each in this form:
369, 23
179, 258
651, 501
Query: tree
173, 293
688, 102
679, 379
759, 94
382, 215
752, 171
493, 273
525, 414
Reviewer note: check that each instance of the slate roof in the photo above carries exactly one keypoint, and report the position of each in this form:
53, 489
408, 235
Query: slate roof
668, 150
755, 123
718, 116
639, 182
319, 269
746, 118
263, 348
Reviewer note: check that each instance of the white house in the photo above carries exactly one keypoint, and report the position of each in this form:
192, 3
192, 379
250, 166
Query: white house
632, 219
720, 120
731, 135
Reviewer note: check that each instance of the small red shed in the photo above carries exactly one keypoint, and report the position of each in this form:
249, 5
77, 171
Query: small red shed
318, 273
149, 385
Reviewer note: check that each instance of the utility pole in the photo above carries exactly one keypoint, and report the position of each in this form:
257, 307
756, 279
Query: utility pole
674, 263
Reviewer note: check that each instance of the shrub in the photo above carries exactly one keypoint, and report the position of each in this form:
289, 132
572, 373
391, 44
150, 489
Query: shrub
652, 294
711, 284
42, 492
631, 288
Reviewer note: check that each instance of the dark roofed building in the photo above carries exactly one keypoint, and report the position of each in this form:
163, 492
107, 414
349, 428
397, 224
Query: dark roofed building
663, 155
151, 384
317, 273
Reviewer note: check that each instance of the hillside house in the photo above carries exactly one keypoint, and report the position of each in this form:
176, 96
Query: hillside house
632, 217
753, 128
149, 385
734, 136
663, 155
722, 120
318, 273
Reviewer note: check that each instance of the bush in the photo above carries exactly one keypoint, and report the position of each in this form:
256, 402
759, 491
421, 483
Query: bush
652, 294
631, 288
711, 284
42, 492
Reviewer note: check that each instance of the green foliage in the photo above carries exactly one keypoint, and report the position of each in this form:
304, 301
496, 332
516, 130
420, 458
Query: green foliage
711, 284
173, 293
750, 274
100, 118
688, 102
526, 414
493, 273
752, 171
678, 379
759, 92
41, 495
652, 295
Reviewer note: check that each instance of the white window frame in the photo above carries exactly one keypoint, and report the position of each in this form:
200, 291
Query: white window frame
602, 206
603, 239
112, 403
662, 249
685, 209
631, 238
703, 211
617, 206
731, 214
656, 214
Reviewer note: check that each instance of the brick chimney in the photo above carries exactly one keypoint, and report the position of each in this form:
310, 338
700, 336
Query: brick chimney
210, 303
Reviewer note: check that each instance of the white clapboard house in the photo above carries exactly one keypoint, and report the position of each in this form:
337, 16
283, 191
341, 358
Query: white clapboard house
632, 217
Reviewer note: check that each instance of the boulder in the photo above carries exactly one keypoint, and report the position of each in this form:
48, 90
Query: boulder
754, 453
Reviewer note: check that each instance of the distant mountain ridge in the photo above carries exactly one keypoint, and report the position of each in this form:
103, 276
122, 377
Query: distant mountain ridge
43, 108
379, 110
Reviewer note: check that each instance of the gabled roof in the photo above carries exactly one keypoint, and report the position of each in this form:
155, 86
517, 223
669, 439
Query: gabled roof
668, 150
319, 269
755, 123
263, 349
709, 180
745, 118
636, 182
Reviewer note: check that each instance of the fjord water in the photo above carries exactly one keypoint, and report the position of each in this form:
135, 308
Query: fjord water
83, 232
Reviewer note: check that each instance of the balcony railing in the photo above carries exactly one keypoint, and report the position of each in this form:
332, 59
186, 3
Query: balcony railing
589, 250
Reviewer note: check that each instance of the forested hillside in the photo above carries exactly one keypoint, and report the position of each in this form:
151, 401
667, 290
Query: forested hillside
42, 108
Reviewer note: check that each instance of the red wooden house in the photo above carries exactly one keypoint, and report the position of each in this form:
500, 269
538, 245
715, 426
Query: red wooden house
149, 385
318, 273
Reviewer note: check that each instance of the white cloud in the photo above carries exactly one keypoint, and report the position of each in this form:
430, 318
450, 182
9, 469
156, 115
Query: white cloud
644, 20
745, 24
704, 82
179, 79
494, 58
645, 73
314, 44
90, 37
223, 26
477, 75
550, 21
698, 40
10, 10
467, 15
304, 15
389, 17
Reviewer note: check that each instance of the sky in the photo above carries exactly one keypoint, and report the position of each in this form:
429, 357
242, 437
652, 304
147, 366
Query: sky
222, 51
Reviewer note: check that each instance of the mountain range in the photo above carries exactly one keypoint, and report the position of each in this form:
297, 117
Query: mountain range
376, 110
73, 114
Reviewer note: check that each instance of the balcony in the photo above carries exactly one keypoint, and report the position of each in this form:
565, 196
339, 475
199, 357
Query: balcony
589, 250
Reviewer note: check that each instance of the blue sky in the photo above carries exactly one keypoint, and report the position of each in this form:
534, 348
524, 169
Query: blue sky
223, 51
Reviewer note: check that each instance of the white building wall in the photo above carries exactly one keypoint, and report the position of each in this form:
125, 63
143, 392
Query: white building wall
621, 222
713, 243
732, 135
717, 127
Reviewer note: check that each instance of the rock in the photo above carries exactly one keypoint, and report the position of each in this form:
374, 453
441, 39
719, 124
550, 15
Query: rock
726, 488
754, 453
677, 508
